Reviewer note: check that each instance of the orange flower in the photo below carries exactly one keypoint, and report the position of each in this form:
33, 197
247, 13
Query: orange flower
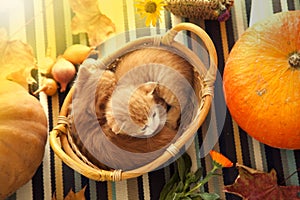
220, 160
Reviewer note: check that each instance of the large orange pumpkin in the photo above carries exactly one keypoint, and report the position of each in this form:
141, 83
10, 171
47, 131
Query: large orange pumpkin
262, 81
23, 135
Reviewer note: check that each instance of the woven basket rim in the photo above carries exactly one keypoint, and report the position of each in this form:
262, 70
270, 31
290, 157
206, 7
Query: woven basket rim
58, 136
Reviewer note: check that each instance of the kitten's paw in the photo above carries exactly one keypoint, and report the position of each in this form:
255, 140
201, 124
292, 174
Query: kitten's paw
116, 130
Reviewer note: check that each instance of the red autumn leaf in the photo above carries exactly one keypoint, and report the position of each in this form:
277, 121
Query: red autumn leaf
256, 185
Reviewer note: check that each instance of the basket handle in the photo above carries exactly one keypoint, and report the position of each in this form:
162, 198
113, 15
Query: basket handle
210, 77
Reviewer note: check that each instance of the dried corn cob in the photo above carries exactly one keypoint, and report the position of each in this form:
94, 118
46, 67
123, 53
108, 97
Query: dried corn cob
204, 9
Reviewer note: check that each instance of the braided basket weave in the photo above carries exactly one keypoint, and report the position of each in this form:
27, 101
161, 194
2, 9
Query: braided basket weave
200, 9
67, 151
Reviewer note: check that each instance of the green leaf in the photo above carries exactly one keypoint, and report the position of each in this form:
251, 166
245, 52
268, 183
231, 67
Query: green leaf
209, 196
168, 186
186, 198
188, 162
175, 190
198, 174
178, 196
195, 196
184, 164
194, 177
181, 168
179, 187
169, 194
189, 179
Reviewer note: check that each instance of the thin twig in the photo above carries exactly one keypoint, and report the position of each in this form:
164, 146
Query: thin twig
292, 174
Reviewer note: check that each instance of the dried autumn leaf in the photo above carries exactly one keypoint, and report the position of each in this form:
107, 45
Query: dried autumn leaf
3, 37
260, 185
16, 60
73, 196
89, 19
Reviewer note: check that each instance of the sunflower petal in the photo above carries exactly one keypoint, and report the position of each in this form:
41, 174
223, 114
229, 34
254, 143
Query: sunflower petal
151, 18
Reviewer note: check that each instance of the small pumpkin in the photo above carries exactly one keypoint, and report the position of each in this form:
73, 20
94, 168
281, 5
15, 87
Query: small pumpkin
262, 81
23, 135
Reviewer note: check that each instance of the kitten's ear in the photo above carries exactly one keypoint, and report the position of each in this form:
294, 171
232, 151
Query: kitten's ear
152, 87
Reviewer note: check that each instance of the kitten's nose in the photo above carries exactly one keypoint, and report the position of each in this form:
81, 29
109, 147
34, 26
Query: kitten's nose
152, 130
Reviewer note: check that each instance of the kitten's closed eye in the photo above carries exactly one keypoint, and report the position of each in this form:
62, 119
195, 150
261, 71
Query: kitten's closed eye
144, 128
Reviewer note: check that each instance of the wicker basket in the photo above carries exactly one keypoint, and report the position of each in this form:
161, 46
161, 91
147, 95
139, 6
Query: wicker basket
68, 152
200, 9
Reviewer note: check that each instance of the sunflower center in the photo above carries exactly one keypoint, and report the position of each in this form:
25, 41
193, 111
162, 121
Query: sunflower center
294, 60
150, 7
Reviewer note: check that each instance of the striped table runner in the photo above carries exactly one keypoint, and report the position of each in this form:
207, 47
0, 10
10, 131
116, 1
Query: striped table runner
45, 25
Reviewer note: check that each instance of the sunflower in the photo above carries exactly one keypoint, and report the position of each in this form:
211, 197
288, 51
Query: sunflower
150, 9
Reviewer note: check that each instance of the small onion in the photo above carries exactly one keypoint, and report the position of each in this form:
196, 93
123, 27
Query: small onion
77, 53
63, 71
49, 86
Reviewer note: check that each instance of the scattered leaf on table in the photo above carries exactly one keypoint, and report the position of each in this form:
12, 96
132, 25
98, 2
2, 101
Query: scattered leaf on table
73, 196
252, 184
16, 60
89, 19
